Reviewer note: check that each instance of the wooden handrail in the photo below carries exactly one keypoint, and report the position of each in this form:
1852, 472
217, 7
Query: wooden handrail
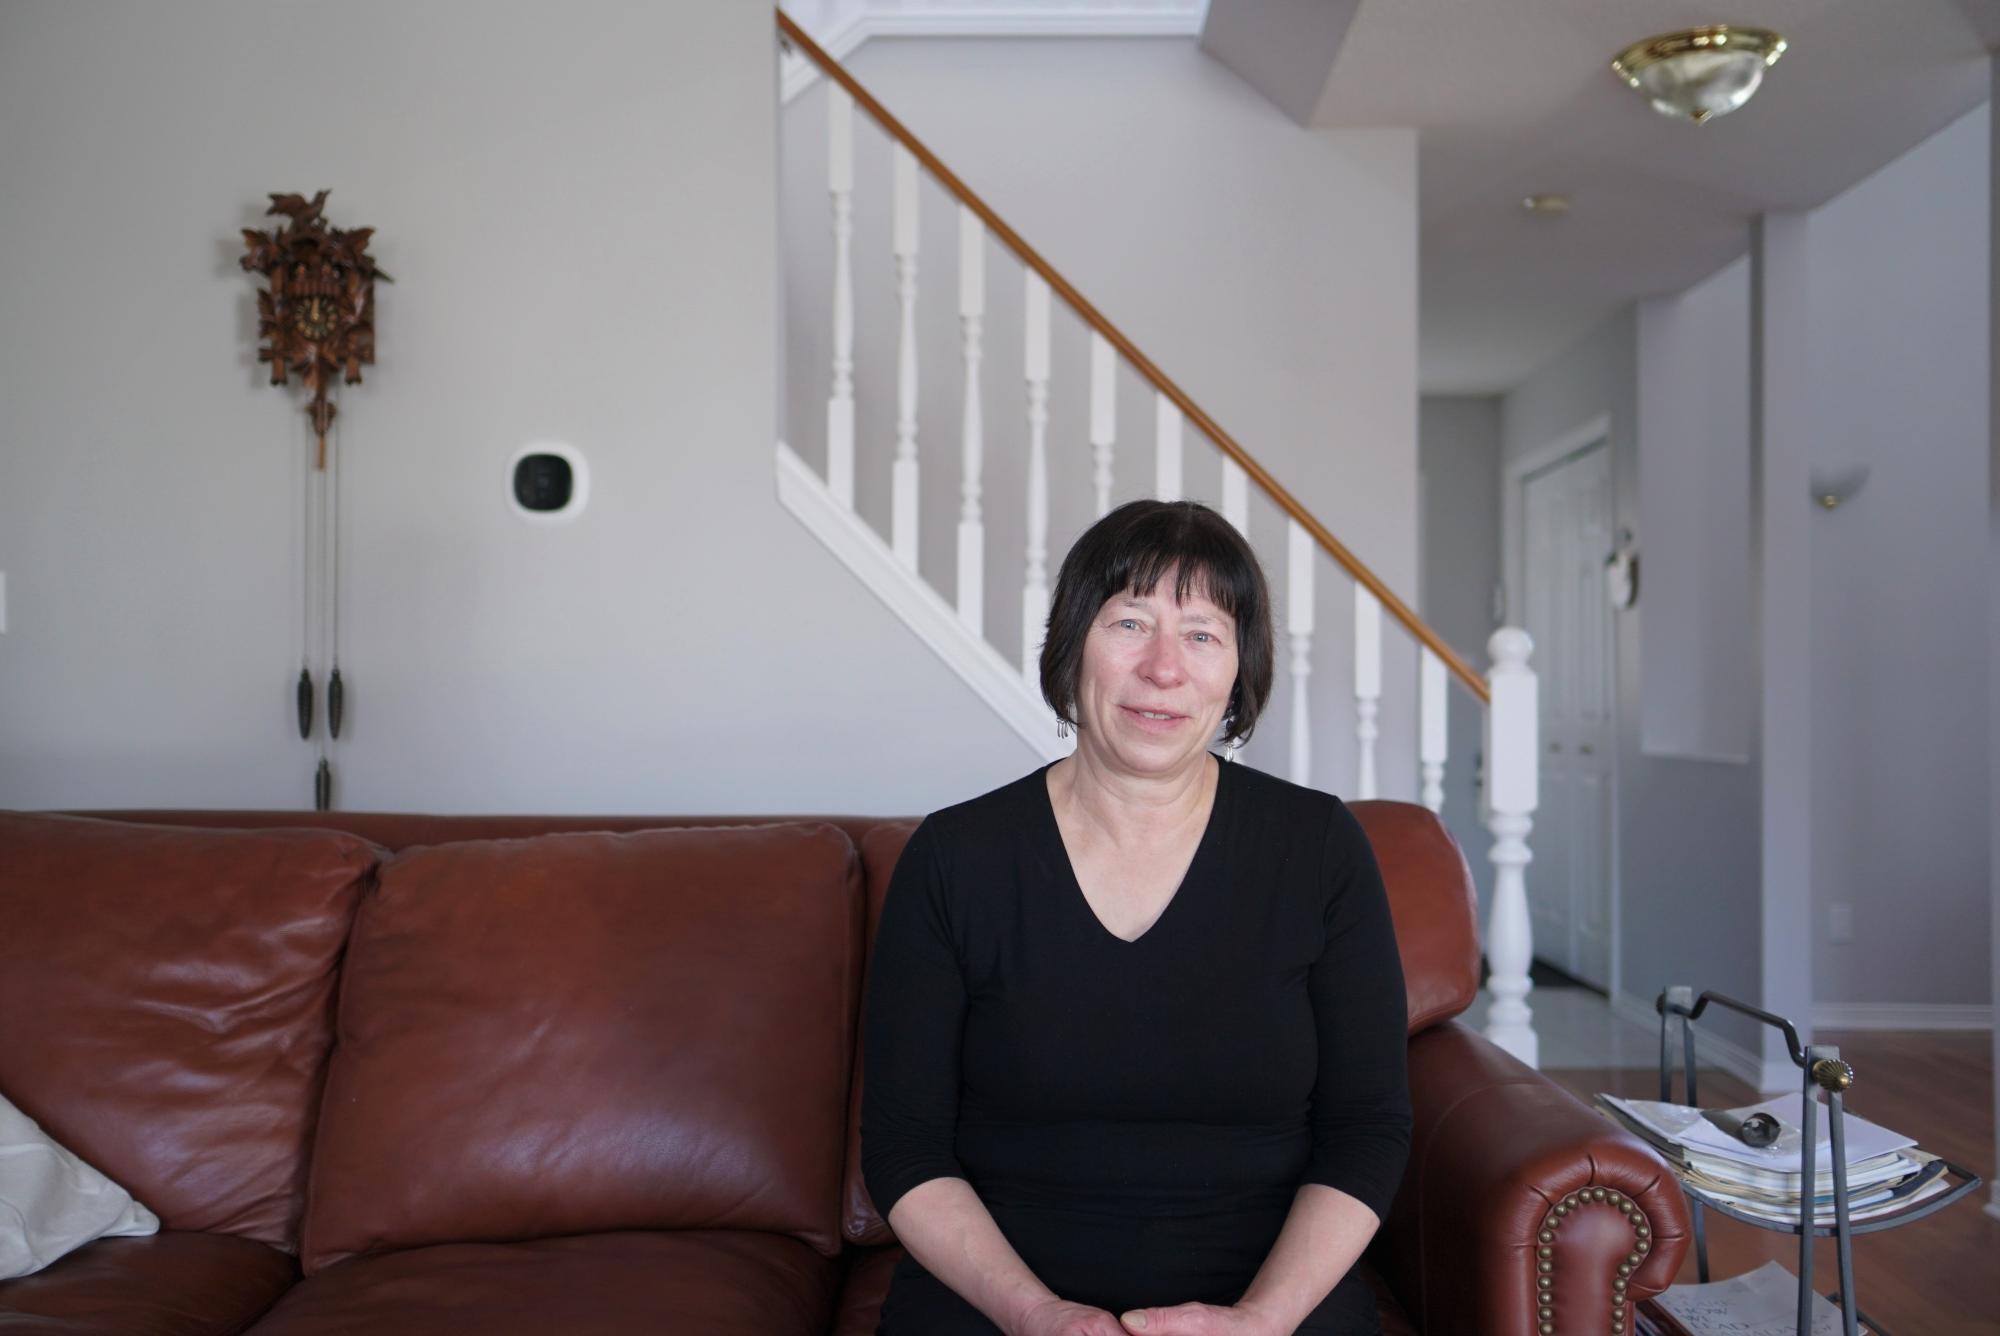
1130, 352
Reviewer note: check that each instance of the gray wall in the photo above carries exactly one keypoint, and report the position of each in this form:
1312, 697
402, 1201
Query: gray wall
1900, 362
1270, 269
1687, 830
1698, 695
1458, 444
577, 204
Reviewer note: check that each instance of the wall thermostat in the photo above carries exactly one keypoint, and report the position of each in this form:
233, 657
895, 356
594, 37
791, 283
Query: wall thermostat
548, 482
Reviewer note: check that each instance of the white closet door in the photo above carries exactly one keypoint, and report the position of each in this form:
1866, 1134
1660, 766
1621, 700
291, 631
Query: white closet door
1566, 511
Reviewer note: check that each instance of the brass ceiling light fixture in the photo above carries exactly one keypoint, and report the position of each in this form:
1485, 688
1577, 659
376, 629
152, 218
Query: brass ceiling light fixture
1700, 73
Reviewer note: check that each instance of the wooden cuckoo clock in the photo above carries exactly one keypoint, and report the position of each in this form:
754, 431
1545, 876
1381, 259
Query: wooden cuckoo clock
316, 317
318, 314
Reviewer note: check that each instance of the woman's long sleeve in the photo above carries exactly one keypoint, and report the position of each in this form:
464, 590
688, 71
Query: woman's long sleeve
912, 1021
1361, 1097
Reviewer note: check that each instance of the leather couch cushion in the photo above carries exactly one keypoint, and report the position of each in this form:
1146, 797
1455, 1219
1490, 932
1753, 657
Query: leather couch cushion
584, 1033
714, 1282
165, 1005
163, 1285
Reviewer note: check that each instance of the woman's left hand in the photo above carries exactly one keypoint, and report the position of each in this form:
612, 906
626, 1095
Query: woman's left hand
1198, 1320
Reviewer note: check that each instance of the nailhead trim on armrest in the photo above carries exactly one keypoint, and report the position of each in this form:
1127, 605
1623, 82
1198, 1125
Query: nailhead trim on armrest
1545, 1253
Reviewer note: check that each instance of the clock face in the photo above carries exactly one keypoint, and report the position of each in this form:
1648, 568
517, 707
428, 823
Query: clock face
313, 317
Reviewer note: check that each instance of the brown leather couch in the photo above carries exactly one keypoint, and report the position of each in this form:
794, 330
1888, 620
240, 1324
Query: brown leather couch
393, 1073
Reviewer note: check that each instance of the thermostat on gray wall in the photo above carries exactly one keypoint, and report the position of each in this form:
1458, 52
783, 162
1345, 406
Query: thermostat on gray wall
548, 482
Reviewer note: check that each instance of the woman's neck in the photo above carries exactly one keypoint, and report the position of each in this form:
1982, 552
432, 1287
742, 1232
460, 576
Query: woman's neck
1128, 808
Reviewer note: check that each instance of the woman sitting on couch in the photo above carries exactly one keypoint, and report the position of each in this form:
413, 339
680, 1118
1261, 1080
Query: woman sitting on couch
1135, 1029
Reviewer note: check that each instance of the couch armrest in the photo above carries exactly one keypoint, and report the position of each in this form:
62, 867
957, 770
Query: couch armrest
1523, 1212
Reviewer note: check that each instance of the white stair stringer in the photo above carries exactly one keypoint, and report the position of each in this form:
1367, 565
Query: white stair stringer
922, 609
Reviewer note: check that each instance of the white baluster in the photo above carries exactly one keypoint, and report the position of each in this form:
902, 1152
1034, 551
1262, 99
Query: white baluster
1512, 786
1299, 625
971, 527
1167, 450
1367, 685
1433, 735
1103, 416
903, 520
840, 403
1035, 590
1235, 495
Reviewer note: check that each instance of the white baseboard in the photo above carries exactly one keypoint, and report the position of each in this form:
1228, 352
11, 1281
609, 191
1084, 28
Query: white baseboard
1901, 1016
997, 682
1711, 1050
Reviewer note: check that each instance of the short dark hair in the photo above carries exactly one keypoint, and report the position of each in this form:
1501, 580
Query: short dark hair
1129, 550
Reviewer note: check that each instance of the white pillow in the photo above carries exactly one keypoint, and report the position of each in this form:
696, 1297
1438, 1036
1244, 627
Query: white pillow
51, 1202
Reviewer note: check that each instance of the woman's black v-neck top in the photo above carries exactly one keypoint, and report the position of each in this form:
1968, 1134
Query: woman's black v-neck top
1137, 1116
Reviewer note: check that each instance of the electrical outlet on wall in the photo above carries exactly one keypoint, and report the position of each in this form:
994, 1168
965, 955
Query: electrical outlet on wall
1840, 923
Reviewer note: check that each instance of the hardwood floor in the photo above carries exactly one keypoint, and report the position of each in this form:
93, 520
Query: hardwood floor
1937, 1277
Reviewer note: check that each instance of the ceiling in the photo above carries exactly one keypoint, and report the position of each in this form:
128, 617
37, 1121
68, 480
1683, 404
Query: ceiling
1516, 97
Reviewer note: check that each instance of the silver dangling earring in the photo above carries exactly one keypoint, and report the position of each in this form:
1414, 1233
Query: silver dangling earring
1062, 728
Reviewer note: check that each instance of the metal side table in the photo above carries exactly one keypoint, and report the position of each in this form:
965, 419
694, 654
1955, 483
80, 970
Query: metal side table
1822, 1069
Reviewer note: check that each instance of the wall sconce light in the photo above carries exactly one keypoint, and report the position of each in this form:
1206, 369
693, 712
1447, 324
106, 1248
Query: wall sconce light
1621, 571
1830, 487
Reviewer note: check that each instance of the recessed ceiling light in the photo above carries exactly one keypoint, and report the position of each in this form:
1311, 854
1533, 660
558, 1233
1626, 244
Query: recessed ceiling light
1550, 204
1702, 72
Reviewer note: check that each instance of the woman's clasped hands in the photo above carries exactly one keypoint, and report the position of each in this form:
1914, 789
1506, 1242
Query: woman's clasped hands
1059, 1317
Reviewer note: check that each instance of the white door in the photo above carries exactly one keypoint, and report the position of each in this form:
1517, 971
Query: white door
1566, 512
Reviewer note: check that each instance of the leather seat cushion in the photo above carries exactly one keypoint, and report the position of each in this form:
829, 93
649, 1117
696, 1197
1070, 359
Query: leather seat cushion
588, 1033
866, 1284
716, 1282
166, 1000
164, 1285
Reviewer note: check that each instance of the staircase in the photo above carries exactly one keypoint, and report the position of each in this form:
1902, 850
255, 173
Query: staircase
994, 649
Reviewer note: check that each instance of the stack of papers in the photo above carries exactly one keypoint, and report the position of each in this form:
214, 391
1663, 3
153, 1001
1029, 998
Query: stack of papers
1762, 1303
1766, 1181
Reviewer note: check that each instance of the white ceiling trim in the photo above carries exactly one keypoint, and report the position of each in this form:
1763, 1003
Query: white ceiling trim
843, 26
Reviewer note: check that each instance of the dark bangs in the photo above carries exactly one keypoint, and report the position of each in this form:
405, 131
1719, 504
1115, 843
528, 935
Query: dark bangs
1131, 549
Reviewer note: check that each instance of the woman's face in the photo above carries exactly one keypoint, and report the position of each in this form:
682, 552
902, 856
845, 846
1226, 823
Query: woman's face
1156, 679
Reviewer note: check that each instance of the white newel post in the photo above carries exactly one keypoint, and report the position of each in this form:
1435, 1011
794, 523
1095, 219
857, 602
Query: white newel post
1299, 549
1167, 450
840, 403
1367, 685
903, 520
1035, 589
1512, 780
971, 526
1433, 732
1103, 417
